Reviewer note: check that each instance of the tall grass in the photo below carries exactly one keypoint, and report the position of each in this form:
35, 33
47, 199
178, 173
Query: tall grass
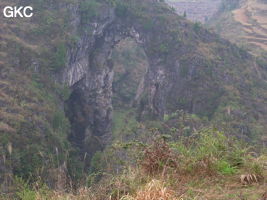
210, 152
163, 170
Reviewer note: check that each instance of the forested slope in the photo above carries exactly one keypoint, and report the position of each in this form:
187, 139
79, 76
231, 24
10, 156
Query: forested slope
67, 91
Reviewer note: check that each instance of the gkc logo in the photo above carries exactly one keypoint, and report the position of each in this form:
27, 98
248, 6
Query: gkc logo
14, 12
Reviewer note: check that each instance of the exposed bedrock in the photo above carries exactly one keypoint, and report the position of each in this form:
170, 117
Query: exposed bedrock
90, 75
181, 72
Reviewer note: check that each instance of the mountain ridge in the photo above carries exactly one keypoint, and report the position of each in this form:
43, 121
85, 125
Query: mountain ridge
61, 80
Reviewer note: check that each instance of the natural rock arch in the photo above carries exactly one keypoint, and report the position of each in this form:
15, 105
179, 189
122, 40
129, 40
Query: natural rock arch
90, 75
184, 70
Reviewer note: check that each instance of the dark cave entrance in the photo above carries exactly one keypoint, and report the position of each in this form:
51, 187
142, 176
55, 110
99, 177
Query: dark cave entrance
75, 108
90, 110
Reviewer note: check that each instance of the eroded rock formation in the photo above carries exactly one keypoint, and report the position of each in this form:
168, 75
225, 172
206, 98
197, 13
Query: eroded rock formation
186, 69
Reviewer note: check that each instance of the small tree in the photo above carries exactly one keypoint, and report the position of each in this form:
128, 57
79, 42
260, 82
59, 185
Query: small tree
185, 14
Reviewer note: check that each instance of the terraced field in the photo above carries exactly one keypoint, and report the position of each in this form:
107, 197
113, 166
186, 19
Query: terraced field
245, 25
253, 17
200, 11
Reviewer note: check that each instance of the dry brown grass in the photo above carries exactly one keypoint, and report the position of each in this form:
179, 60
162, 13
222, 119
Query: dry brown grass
6, 128
171, 186
154, 190
252, 19
158, 157
81, 194
157, 189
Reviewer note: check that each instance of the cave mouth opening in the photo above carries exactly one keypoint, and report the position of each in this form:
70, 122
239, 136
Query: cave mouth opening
76, 113
88, 109
80, 114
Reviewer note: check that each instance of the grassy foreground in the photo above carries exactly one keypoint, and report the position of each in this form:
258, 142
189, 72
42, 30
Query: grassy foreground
206, 165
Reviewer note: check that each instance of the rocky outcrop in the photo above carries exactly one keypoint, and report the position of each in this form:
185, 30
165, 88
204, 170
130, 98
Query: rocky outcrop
186, 69
89, 73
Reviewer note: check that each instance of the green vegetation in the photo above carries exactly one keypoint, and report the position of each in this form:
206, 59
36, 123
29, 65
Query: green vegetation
34, 128
58, 59
89, 10
222, 154
217, 83
207, 155
196, 26
123, 123
121, 9
25, 192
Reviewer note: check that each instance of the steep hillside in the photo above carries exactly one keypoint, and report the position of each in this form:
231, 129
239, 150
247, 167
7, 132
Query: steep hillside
66, 86
33, 126
245, 24
199, 11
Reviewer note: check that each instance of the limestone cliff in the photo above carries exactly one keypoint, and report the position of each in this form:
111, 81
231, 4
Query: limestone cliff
62, 67
188, 68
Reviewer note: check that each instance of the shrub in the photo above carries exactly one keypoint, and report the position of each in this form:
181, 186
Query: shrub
58, 59
184, 71
148, 24
197, 27
96, 168
225, 168
210, 152
89, 10
60, 122
163, 49
25, 192
154, 190
157, 157
121, 9
27, 163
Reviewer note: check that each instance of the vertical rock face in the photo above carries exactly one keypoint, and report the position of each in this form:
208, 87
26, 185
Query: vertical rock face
186, 70
90, 75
